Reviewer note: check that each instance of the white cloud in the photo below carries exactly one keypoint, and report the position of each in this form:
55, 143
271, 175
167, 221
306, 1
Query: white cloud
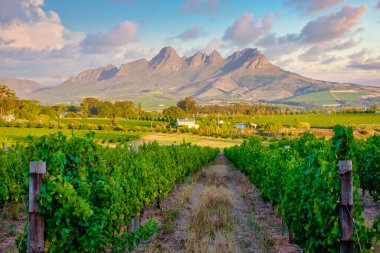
27, 26
323, 31
211, 45
314, 6
192, 33
122, 34
332, 26
246, 29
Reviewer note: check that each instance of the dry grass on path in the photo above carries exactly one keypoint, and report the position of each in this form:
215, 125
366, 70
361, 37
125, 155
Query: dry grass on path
221, 212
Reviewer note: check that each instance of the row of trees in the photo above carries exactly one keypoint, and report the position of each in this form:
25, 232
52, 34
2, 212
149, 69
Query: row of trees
187, 107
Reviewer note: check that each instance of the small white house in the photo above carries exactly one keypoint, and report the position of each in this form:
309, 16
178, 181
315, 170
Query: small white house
8, 118
253, 125
190, 123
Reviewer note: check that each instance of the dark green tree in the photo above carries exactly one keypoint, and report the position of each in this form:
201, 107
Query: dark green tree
188, 104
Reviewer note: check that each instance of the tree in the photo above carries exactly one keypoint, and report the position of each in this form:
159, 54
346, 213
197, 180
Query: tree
174, 112
188, 104
28, 109
90, 107
8, 100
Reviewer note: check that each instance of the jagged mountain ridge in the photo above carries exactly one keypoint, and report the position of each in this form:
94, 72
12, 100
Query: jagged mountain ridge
246, 75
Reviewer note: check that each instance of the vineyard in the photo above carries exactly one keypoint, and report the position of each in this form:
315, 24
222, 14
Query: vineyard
12, 136
90, 193
300, 179
93, 198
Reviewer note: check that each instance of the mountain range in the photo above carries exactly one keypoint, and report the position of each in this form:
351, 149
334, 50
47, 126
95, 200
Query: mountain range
246, 75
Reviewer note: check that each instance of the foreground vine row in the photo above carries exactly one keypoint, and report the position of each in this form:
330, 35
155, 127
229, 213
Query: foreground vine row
90, 193
300, 178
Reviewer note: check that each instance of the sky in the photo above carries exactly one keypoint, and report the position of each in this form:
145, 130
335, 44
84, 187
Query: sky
51, 40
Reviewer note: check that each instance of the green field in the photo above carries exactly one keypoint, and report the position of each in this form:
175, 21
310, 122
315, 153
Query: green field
325, 97
154, 102
322, 120
11, 136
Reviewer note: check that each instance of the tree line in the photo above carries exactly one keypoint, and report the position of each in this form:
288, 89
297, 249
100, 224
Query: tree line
187, 107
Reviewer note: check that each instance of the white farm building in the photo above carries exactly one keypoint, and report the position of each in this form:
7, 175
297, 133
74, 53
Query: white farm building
190, 123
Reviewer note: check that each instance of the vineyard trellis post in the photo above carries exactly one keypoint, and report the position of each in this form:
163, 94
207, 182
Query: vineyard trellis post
346, 207
36, 223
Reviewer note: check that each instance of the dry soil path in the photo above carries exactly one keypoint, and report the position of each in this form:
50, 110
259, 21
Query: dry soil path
219, 211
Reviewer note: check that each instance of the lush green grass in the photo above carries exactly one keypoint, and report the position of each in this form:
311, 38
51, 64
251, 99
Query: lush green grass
11, 135
154, 102
325, 97
322, 120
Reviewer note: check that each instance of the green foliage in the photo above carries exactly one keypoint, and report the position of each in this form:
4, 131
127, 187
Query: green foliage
12, 135
8, 99
301, 180
12, 176
188, 104
90, 193
342, 142
367, 155
174, 112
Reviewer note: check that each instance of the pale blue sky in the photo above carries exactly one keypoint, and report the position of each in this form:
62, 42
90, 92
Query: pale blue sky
50, 40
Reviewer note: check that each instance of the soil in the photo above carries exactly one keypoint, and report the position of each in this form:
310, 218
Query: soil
10, 226
257, 227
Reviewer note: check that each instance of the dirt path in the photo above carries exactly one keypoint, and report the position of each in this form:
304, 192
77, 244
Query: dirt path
219, 211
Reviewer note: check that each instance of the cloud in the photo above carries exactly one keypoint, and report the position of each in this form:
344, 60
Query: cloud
330, 60
332, 26
9, 9
323, 31
246, 29
375, 65
312, 54
193, 6
285, 63
191, 34
122, 34
314, 6
378, 5
363, 60
343, 46
25, 25
213, 44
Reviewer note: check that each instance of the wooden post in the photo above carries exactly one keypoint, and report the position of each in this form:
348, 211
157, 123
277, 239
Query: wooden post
36, 222
141, 215
346, 207
5, 147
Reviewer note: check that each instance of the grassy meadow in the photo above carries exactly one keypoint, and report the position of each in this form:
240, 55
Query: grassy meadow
322, 120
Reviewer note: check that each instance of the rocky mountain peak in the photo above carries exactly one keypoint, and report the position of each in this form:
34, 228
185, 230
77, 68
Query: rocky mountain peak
247, 59
214, 57
245, 54
196, 60
167, 60
134, 67
97, 74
